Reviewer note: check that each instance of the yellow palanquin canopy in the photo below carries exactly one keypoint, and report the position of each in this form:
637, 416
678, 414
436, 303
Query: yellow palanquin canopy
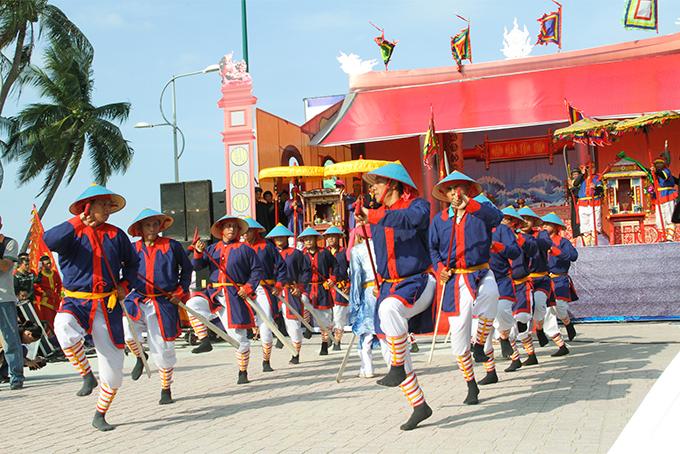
355, 167
307, 173
634, 124
584, 127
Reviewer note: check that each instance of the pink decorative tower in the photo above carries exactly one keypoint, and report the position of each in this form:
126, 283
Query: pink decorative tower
238, 137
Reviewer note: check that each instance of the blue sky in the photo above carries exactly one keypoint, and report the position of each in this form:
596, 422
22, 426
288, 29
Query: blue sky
293, 45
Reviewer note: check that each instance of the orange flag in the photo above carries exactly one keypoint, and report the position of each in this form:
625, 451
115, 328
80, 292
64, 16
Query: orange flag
37, 246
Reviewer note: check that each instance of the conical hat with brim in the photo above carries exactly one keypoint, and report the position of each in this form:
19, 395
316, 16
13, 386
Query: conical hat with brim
553, 218
333, 230
392, 171
309, 232
439, 189
253, 224
481, 198
216, 228
526, 211
512, 212
96, 191
279, 230
136, 228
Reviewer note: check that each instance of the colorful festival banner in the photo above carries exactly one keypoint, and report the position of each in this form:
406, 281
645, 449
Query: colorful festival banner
641, 14
431, 146
551, 27
600, 138
37, 247
386, 47
460, 46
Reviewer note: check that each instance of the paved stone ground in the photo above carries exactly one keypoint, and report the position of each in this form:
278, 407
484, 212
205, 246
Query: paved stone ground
579, 403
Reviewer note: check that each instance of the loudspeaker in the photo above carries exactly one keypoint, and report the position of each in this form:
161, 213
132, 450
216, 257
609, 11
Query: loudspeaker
219, 205
172, 204
198, 199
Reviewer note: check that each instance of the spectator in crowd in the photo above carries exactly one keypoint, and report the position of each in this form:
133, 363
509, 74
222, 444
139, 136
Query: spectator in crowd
24, 278
284, 196
9, 327
29, 332
48, 298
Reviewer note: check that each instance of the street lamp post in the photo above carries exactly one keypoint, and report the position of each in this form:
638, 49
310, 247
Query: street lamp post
175, 128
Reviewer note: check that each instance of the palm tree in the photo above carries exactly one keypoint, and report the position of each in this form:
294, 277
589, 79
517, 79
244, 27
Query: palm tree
50, 138
17, 19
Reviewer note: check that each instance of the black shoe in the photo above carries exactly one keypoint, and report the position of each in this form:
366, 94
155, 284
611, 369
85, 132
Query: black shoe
139, 368
307, 334
420, 413
203, 346
491, 378
294, 360
394, 377
473, 393
242, 377
336, 347
99, 422
506, 348
415, 349
571, 331
279, 344
266, 367
562, 351
514, 365
89, 383
324, 349
478, 353
166, 397
16, 385
531, 360
542, 338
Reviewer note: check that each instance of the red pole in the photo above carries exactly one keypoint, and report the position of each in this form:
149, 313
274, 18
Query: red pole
363, 229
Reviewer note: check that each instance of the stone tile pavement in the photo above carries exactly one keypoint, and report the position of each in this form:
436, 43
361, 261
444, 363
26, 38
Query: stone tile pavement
579, 403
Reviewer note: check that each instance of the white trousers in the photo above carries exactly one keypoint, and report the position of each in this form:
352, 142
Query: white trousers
340, 316
162, 351
109, 357
585, 215
263, 302
550, 325
540, 305
484, 304
366, 354
394, 317
293, 326
666, 209
504, 319
201, 305
326, 317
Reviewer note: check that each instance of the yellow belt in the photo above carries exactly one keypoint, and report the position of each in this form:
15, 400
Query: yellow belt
113, 296
151, 295
521, 281
399, 279
268, 282
555, 275
472, 269
543, 274
368, 284
222, 284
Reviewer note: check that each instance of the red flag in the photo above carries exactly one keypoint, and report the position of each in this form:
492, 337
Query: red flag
430, 145
37, 246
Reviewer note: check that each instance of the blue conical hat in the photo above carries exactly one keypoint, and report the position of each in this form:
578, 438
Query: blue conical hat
481, 198
253, 224
97, 192
393, 171
553, 218
333, 230
136, 228
216, 228
279, 230
309, 232
439, 189
512, 212
526, 211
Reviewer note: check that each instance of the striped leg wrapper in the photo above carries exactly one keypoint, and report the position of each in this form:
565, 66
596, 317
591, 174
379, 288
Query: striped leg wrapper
465, 365
132, 345
539, 323
490, 365
528, 345
558, 340
106, 395
483, 329
324, 336
297, 346
670, 232
397, 347
199, 328
515, 352
243, 359
338, 334
306, 315
76, 355
412, 389
267, 351
166, 377
504, 334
